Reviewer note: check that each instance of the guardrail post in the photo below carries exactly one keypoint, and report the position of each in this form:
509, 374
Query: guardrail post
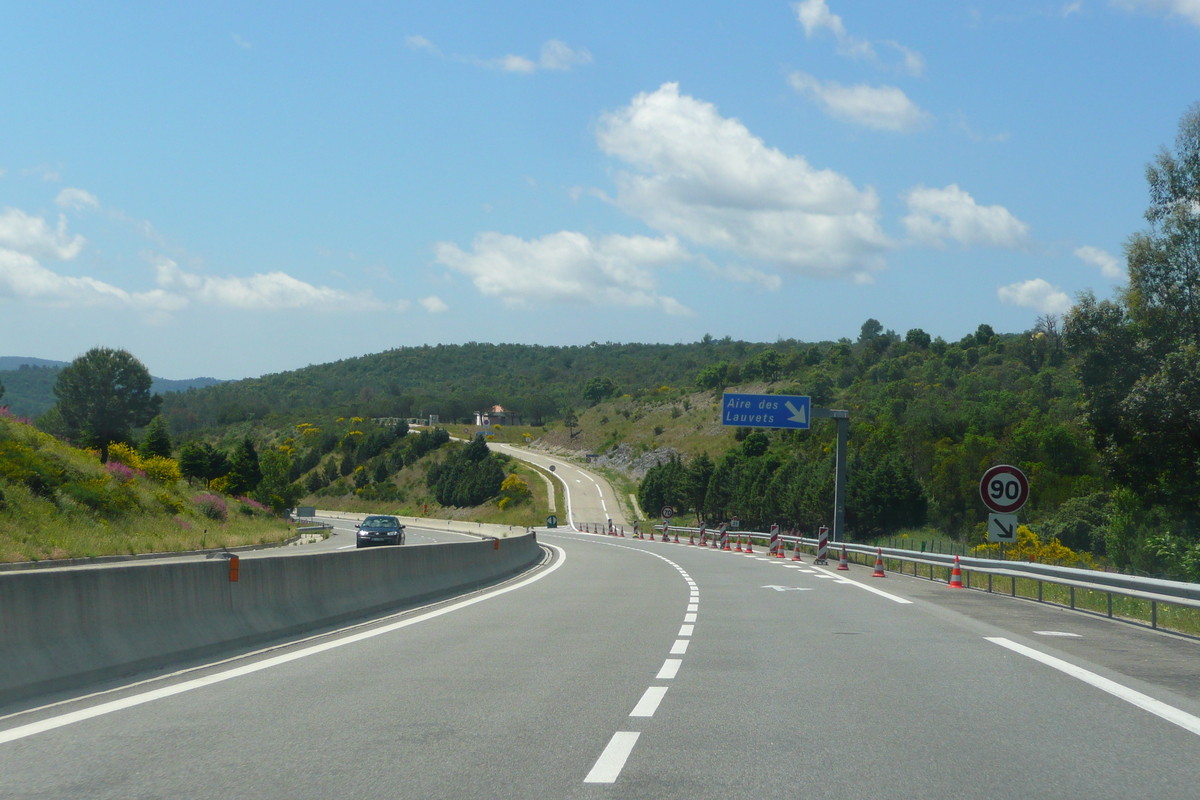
1154, 614
1110, 605
1013, 592
989, 583
1072, 597
1039, 591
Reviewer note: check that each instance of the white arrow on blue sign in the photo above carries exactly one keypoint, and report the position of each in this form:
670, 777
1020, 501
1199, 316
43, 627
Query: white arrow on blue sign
766, 410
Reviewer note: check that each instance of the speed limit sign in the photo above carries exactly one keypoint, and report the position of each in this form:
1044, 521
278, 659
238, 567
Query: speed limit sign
667, 512
1004, 489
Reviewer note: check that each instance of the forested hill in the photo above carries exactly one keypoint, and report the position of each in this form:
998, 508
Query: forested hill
29, 384
452, 381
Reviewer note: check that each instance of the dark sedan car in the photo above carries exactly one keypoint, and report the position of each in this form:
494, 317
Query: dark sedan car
379, 530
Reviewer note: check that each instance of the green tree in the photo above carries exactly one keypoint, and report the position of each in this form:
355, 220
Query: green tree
201, 460
571, 422
244, 471
917, 338
883, 496
598, 389
1139, 356
157, 441
274, 488
104, 394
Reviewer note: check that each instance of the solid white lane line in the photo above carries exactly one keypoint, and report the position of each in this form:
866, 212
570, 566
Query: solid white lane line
680, 647
871, 589
696, 607
670, 669
50, 723
649, 702
347, 546
689, 617
1145, 702
686, 630
610, 763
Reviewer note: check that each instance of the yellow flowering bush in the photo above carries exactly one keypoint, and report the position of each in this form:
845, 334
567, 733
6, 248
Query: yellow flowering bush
119, 451
162, 470
1030, 547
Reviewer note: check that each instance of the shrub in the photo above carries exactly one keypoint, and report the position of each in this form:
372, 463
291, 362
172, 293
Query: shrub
170, 503
211, 506
162, 470
120, 471
119, 451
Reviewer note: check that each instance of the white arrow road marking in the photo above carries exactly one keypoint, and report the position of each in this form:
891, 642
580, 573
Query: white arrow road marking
786, 588
798, 414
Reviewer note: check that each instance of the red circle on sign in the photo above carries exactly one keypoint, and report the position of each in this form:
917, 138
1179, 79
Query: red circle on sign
667, 512
1004, 489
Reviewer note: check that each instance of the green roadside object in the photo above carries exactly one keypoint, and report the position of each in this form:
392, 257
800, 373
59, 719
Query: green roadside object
551, 521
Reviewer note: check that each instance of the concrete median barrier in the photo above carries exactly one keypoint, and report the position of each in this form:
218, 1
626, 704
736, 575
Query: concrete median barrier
63, 629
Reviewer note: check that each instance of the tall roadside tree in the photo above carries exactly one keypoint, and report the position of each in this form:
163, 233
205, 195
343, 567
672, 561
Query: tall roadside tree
1139, 356
103, 395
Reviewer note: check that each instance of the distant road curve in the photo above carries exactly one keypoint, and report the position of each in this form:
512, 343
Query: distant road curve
589, 497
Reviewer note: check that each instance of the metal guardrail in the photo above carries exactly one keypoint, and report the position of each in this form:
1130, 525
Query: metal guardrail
1154, 590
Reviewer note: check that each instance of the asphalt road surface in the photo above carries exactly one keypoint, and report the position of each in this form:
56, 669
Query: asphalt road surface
635, 669
590, 499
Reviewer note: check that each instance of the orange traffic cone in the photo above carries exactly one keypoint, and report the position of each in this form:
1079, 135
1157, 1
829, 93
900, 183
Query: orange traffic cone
956, 576
796, 550
622, 534
676, 539
737, 543
843, 562
879, 573
748, 549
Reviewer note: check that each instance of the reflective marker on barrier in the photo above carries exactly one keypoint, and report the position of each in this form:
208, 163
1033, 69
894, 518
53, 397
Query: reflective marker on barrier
233, 569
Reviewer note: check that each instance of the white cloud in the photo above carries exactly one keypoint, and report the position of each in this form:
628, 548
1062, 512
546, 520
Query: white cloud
950, 213
566, 267
433, 304
1188, 9
76, 199
709, 179
880, 107
1102, 260
555, 55
1036, 294
268, 291
23, 278
239, 41
559, 55
815, 16
511, 63
743, 274
1072, 8
420, 43
33, 236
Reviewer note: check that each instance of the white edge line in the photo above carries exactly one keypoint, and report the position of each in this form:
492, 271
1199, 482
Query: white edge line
50, 723
649, 702
680, 647
610, 763
872, 589
1145, 702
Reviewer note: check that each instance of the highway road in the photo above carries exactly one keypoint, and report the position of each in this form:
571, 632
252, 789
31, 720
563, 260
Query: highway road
589, 497
635, 669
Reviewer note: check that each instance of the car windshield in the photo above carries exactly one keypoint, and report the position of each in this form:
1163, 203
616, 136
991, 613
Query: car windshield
380, 523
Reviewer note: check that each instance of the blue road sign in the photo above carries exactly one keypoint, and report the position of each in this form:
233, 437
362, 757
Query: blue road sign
766, 410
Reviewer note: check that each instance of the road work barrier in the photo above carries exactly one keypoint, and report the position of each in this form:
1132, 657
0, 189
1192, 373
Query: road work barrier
63, 629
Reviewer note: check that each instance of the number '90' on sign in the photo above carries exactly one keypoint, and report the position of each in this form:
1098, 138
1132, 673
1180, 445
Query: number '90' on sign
1004, 489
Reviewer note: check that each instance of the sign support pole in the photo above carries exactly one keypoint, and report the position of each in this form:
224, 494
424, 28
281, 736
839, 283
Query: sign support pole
839, 484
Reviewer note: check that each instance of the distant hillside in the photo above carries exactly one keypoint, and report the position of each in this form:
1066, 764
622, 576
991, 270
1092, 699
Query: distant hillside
452, 381
29, 384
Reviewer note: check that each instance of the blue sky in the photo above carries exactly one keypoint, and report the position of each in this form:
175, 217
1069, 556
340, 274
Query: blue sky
235, 189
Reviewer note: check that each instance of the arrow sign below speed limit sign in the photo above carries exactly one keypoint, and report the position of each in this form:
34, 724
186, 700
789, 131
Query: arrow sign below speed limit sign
1004, 489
